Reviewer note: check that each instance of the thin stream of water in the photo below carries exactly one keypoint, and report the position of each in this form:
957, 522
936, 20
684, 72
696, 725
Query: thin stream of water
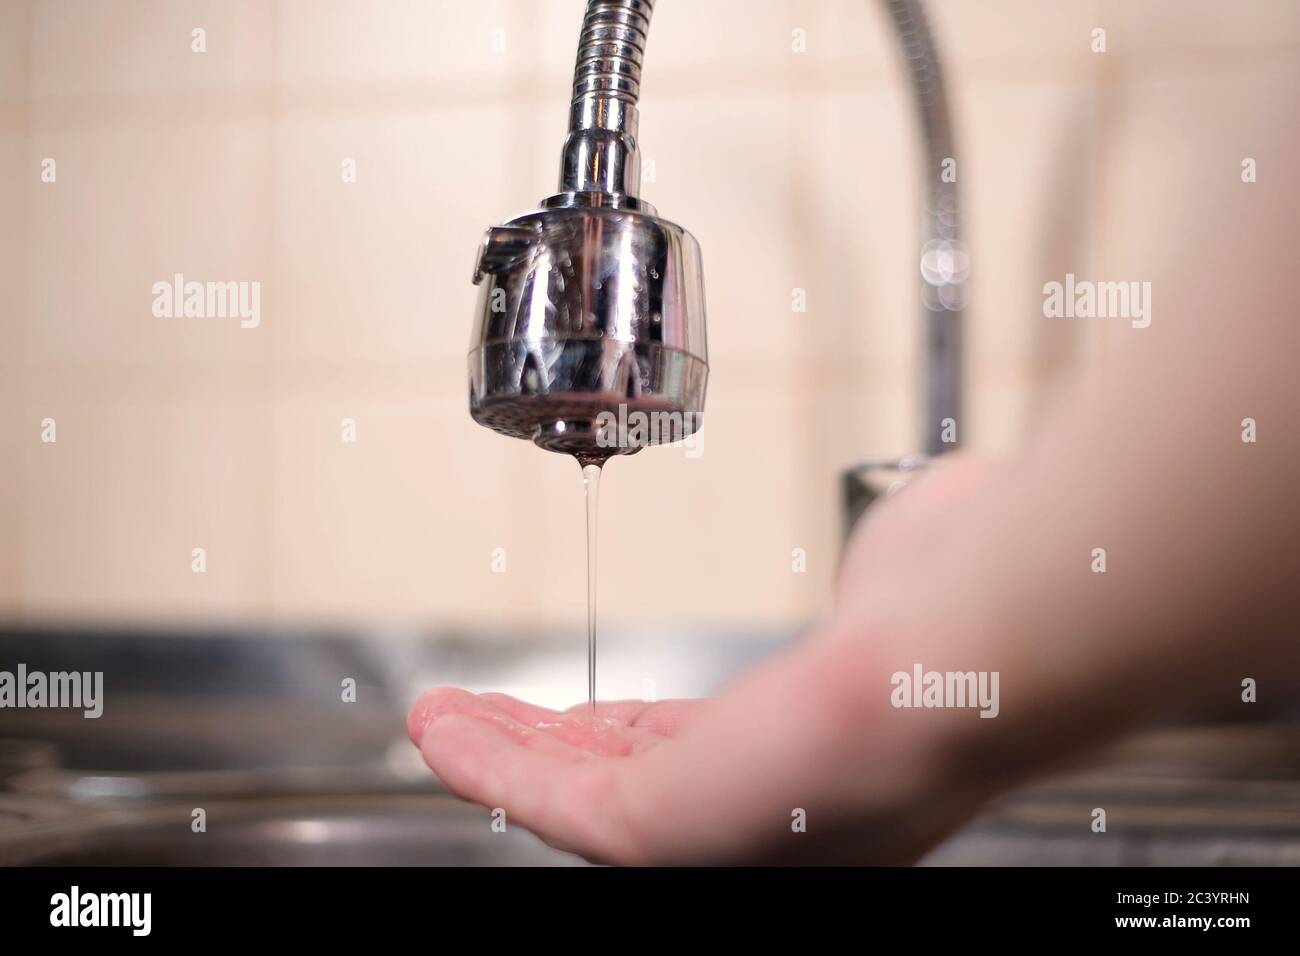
591, 485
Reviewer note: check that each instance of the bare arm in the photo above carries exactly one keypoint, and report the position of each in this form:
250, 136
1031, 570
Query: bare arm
979, 568
1146, 460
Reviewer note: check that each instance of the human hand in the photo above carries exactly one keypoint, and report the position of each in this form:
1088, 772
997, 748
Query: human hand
803, 759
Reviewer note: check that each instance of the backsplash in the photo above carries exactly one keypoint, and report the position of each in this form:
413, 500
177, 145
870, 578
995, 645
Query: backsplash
337, 162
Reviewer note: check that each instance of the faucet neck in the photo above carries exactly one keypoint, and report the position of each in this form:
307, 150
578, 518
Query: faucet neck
601, 166
600, 152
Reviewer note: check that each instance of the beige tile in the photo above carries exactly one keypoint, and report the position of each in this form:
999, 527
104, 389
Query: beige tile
17, 174
1167, 153
1197, 34
846, 420
379, 269
851, 417
135, 205
691, 45
15, 431
15, 50
400, 525
548, 551
754, 39
15, 428
537, 138
547, 42
732, 186
793, 170
702, 540
1175, 191
357, 43
854, 45
1031, 183
113, 509
998, 409
738, 45
856, 232
1024, 39
112, 50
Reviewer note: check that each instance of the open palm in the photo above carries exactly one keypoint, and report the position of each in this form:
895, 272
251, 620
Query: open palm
801, 759
793, 764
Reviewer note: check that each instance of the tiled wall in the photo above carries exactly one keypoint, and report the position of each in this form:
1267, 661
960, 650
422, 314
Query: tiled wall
792, 169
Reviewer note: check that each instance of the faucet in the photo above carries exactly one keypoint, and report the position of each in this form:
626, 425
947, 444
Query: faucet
591, 308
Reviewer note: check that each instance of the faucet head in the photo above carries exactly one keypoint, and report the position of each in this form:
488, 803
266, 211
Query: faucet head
590, 331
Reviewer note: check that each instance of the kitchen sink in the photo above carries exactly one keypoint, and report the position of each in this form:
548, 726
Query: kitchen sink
1216, 795
252, 729
362, 830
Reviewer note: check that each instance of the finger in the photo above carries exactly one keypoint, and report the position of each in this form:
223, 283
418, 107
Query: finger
572, 804
664, 718
434, 703
532, 714
583, 732
577, 726
440, 702
604, 731
428, 707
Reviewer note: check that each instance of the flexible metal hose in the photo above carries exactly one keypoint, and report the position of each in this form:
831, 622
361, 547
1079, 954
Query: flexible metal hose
943, 261
601, 154
611, 50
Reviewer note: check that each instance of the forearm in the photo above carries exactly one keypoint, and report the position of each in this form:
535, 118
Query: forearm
1144, 469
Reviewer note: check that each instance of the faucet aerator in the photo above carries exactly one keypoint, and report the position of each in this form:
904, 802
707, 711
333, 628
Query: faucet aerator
591, 304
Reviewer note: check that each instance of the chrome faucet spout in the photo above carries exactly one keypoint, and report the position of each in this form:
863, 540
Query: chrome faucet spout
591, 308
944, 264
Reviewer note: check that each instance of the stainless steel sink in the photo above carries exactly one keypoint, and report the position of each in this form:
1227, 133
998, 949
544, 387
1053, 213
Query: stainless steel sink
1225, 795
252, 729
363, 830
220, 716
